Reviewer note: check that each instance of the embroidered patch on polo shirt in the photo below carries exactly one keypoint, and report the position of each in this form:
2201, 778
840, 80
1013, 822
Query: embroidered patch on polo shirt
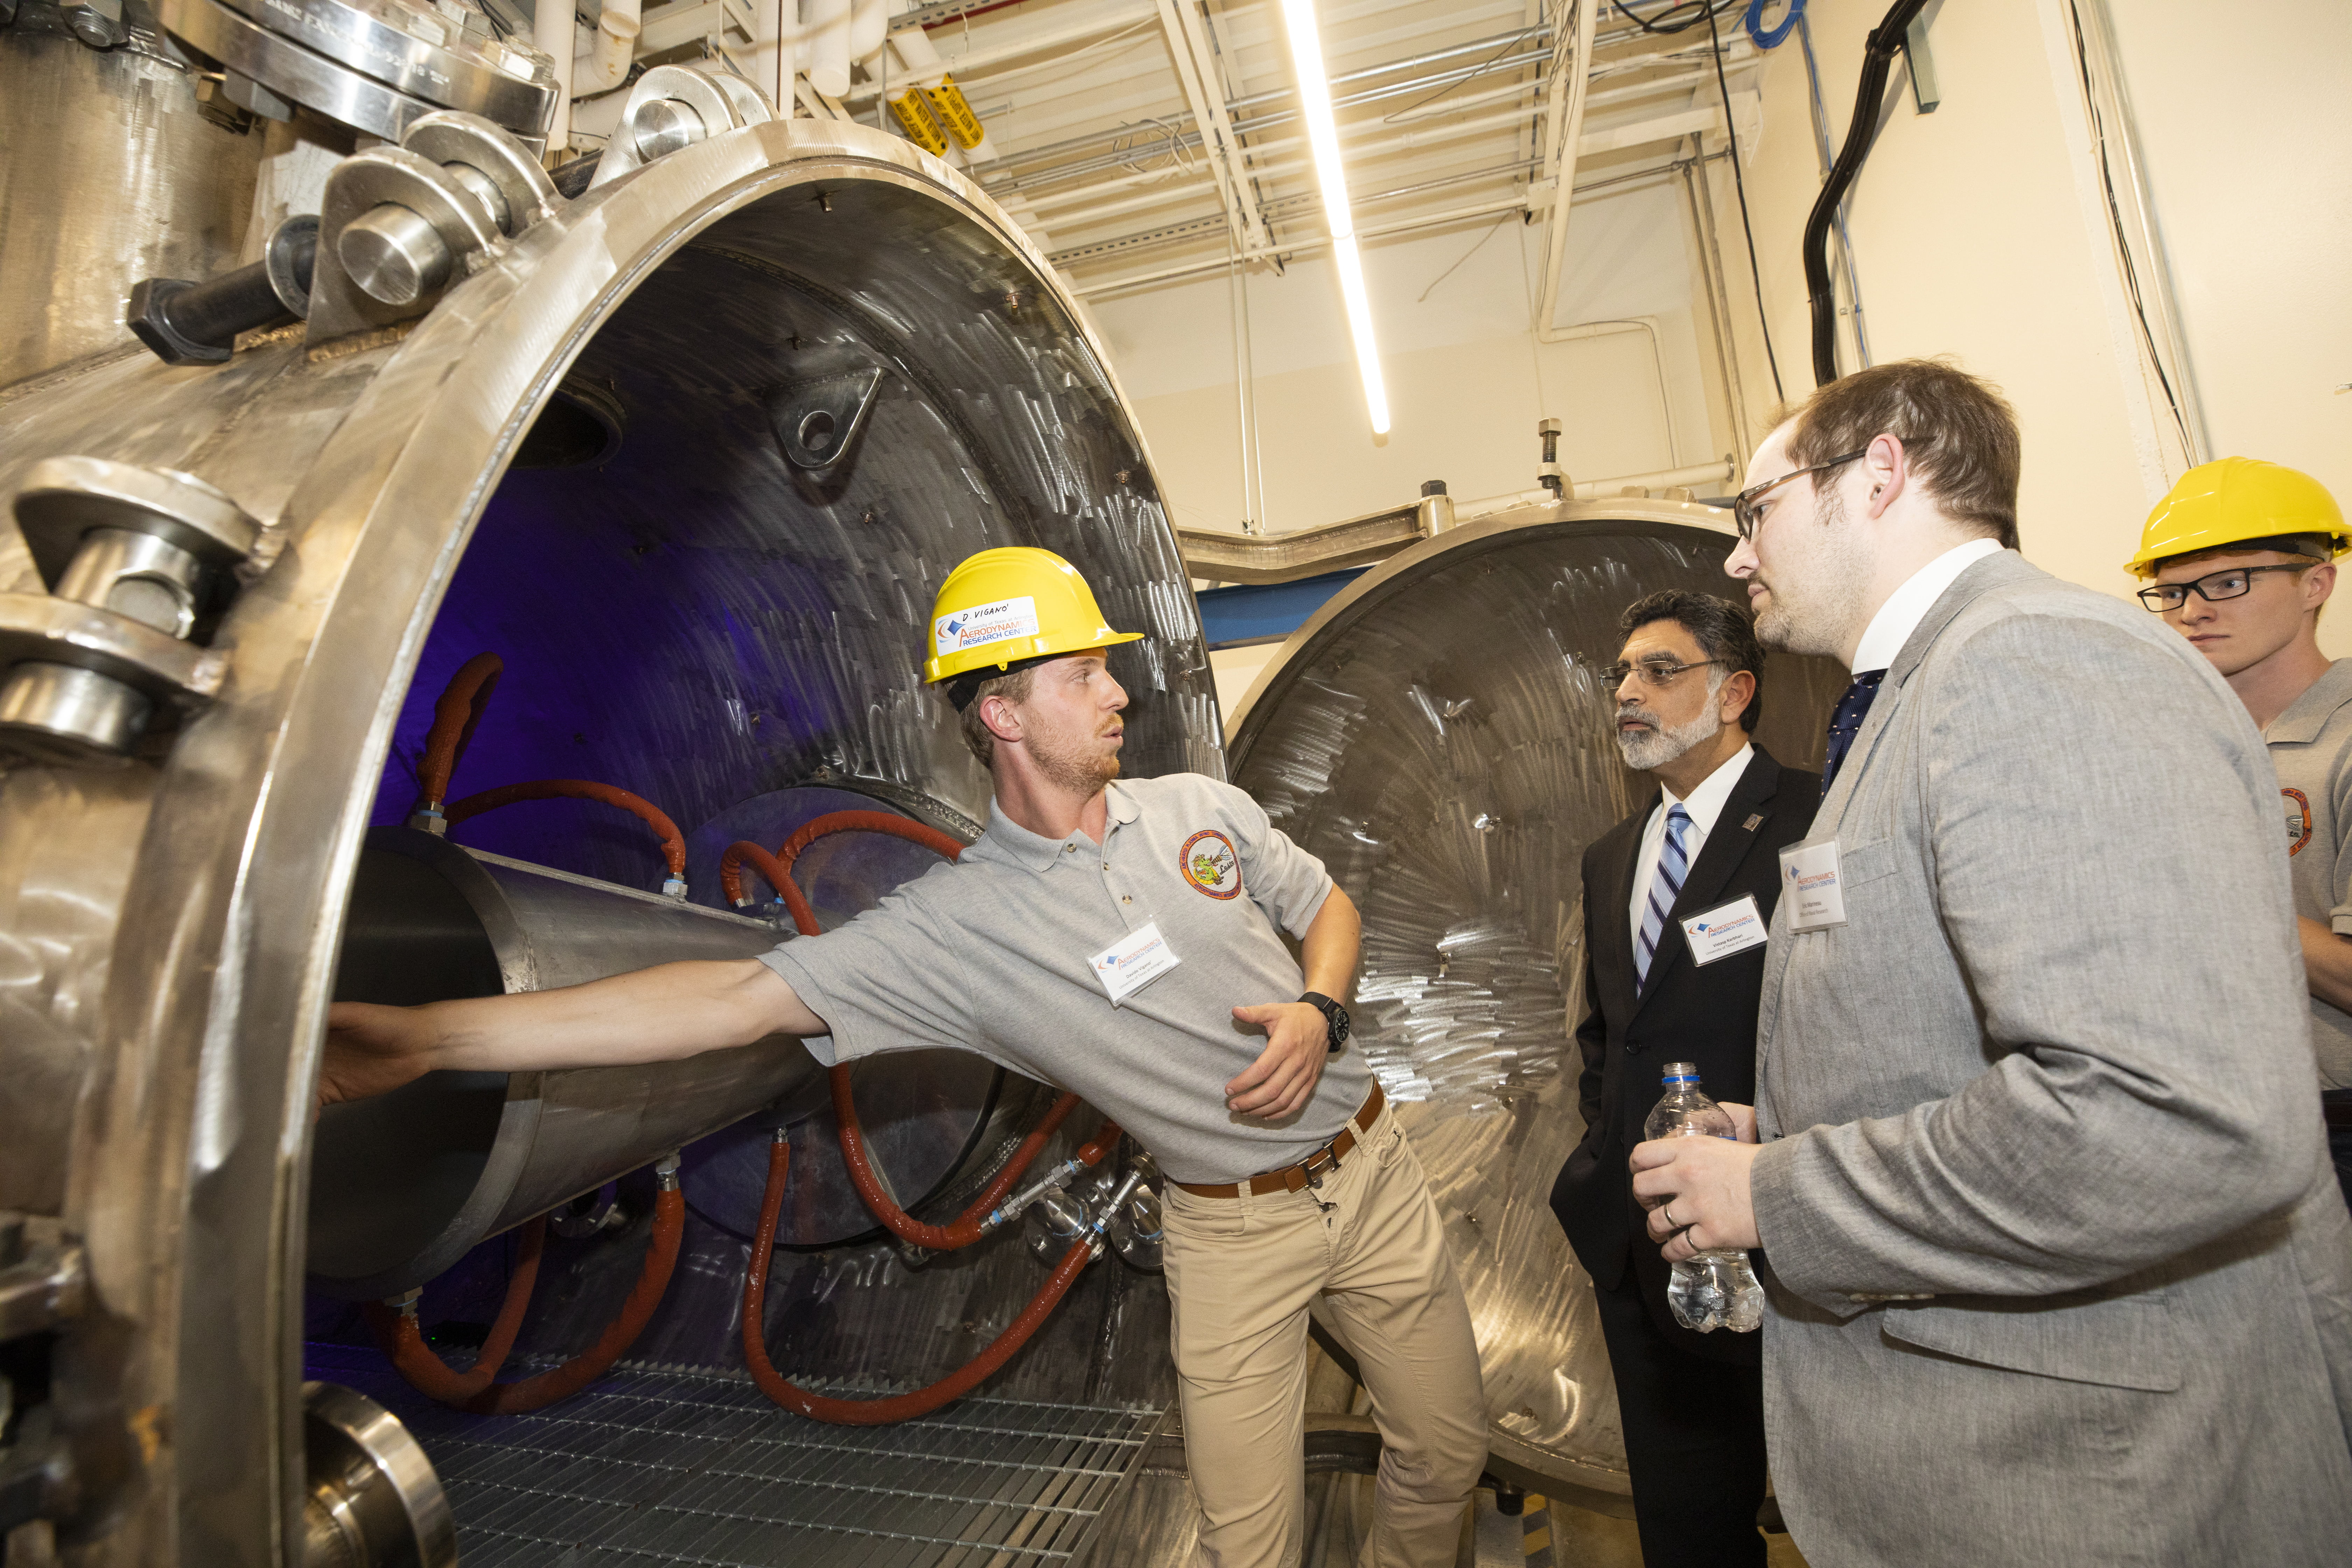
2298, 820
1209, 863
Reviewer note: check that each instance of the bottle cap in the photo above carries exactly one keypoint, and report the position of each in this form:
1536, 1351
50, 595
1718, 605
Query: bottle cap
1682, 1072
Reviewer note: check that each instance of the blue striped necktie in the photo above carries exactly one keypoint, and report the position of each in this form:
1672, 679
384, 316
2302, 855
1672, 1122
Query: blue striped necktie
1673, 865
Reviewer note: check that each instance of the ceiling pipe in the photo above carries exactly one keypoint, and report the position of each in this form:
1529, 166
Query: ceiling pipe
1565, 106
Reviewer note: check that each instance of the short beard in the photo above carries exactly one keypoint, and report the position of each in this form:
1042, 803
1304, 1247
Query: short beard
1074, 770
1655, 748
1833, 582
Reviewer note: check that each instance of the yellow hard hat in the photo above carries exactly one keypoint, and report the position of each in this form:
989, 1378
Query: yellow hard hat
2234, 500
1003, 607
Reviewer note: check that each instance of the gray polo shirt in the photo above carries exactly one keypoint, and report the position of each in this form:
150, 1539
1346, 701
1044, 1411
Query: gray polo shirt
2311, 747
993, 954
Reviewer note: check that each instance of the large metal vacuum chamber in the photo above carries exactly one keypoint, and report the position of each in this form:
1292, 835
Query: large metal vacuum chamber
598, 454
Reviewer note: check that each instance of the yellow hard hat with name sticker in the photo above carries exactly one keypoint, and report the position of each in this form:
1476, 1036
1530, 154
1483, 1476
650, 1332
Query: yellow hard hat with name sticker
1002, 607
2232, 501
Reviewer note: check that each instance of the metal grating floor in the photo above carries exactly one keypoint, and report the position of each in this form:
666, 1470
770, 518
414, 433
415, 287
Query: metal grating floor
668, 1465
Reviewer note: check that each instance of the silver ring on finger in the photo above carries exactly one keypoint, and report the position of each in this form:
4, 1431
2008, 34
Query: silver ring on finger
1670, 1218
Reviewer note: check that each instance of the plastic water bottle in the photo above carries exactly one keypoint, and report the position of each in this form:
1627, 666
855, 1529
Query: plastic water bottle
1715, 1289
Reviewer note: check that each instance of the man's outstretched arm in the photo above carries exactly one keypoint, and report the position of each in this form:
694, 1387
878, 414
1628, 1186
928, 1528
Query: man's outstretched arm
669, 1011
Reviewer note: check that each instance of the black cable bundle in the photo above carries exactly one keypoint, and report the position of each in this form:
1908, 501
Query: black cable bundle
1877, 57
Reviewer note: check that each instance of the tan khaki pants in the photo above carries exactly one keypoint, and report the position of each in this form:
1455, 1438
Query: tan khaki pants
1240, 1273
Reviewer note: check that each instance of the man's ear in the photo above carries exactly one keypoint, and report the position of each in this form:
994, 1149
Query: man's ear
1889, 467
1733, 697
2317, 584
1001, 716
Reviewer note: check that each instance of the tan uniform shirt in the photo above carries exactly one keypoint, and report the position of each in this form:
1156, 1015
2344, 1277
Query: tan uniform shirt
2311, 746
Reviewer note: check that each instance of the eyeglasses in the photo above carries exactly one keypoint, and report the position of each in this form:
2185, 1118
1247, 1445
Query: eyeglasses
2213, 587
1743, 505
1656, 673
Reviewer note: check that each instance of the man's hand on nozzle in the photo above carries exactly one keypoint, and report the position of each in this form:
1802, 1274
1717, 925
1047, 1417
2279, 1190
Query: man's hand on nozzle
1283, 1078
373, 1050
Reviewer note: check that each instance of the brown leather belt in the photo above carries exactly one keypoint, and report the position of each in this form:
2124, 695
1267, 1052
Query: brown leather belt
1307, 1172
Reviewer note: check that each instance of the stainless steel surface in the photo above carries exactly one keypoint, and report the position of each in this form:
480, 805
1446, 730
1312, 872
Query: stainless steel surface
403, 1185
669, 109
134, 557
393, 255
1439, 733
682, 612
62, 501
417, 229
366, 62
669, 1463
173, 188
69, 716
374, 1501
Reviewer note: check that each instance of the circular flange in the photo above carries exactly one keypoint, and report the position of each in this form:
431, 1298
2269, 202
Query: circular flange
414, 50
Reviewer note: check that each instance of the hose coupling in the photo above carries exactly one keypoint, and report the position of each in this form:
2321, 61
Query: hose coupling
666, 1171
1059, 1176
405, 1302
674, 887
783, 1134
428, 816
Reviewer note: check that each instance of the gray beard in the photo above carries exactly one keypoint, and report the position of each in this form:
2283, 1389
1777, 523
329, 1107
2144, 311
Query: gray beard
1655, 748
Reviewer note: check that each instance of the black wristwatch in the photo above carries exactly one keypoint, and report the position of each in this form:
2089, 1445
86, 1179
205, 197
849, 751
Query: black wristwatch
1334, 1016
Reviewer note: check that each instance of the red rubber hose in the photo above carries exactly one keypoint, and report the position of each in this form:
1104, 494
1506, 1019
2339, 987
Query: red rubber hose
402, 1342
778, 869
901, 1407
454, 716
673, 842
741, 853
476, 1389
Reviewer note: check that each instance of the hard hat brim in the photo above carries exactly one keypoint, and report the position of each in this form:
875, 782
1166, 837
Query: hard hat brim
1019, 650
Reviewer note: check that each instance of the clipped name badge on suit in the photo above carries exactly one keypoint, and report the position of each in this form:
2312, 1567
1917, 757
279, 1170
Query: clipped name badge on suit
1811, 888
1720, 932
1133, 961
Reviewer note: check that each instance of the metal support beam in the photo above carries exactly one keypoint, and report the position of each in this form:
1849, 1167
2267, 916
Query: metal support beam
1196, 72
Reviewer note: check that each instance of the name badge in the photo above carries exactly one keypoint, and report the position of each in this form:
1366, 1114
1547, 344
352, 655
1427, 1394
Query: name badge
1810, 887
1719, 934
1133, 961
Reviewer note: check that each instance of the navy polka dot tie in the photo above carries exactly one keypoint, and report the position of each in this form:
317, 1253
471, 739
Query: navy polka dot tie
1852, 709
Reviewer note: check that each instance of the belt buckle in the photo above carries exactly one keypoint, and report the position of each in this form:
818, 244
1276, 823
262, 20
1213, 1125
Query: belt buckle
1315, 1172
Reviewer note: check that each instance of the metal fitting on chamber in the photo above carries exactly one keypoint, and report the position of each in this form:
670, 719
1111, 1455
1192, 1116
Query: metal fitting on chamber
135, 559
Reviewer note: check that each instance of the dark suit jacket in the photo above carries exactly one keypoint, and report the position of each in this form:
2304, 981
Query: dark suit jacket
1686, 1014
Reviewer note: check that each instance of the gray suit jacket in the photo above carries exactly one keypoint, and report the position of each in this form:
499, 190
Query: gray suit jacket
2052, 1078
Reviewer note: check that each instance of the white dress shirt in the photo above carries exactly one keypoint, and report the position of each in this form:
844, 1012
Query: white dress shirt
1908, 605
1705, 805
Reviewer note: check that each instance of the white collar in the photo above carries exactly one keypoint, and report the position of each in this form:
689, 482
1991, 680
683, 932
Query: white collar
1908, 605
1706, 802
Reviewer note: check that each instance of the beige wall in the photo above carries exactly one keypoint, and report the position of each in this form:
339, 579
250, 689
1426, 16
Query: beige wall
1979, 234
1467, 382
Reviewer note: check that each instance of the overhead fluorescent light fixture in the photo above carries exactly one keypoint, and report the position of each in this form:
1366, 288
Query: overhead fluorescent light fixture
1323, 136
